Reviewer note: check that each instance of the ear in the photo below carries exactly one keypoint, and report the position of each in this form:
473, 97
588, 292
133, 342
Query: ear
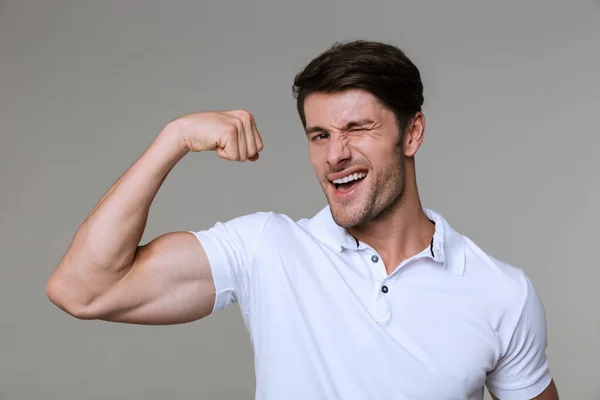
413, 135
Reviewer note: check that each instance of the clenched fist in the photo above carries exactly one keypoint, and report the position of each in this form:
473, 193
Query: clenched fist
232, 134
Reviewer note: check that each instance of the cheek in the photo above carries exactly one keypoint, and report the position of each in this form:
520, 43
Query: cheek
318, 158
371, 147
377, 155
386, 164
312, 156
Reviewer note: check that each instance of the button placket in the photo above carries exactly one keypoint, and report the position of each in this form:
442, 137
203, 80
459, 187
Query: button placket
377, 267
382, 310
381, 306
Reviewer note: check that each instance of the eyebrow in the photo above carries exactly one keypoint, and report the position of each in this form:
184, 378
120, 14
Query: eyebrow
352, 124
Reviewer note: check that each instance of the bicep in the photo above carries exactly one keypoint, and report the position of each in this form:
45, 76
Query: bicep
170, 282
184, 276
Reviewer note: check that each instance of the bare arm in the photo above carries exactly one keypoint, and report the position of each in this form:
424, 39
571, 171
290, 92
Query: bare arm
106, 274
169, 282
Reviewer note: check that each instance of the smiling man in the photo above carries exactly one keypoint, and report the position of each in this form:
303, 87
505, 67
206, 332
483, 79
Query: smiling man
374, 297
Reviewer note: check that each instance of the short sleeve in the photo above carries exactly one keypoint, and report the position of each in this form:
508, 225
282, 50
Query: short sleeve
522, 371
230, 249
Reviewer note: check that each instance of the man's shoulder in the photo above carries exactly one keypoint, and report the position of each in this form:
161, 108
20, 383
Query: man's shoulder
268, 222
504, 282
487, 263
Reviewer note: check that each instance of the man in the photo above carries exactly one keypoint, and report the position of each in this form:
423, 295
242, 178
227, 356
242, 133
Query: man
375, 297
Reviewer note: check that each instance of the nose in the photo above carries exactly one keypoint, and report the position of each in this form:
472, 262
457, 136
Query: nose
338, 151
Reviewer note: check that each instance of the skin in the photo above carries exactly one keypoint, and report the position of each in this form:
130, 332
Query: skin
352, 130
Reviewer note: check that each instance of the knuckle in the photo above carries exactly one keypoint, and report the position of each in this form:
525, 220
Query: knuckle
244, 115
231, 129
238, 122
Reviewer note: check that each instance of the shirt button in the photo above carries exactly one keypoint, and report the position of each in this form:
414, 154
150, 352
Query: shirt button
384, 289
374, 259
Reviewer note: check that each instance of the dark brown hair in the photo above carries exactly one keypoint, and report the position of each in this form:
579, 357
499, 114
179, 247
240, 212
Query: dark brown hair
380, 69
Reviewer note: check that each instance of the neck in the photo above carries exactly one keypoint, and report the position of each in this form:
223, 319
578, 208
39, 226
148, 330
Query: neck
400, 232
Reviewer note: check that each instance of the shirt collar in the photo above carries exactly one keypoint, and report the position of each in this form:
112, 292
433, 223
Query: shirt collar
447, 247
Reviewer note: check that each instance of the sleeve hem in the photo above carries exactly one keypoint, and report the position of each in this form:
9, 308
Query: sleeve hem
221, 278
529, 392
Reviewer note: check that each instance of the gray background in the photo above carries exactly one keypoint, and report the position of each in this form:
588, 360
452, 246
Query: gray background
510, 159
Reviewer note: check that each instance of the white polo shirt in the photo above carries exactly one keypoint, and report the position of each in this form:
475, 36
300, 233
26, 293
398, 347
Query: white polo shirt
327, 322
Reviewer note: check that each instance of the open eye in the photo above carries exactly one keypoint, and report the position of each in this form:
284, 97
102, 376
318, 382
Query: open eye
320, 136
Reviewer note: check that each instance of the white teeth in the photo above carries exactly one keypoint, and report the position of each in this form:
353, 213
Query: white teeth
351, 177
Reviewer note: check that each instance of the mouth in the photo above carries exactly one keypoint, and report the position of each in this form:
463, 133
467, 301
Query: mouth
347, 184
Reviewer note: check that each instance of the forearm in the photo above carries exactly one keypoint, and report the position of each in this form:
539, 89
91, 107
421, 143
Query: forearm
104, 247
111, 233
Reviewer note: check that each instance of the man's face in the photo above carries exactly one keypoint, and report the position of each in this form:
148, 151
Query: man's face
356, 151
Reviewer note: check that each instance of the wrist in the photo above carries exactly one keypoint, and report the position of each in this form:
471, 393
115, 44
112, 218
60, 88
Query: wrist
172, 140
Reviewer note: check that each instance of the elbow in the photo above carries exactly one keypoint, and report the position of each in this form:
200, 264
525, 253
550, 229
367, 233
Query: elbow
63, 295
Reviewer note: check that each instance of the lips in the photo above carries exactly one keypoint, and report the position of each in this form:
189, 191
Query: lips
348, 174
346, 186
